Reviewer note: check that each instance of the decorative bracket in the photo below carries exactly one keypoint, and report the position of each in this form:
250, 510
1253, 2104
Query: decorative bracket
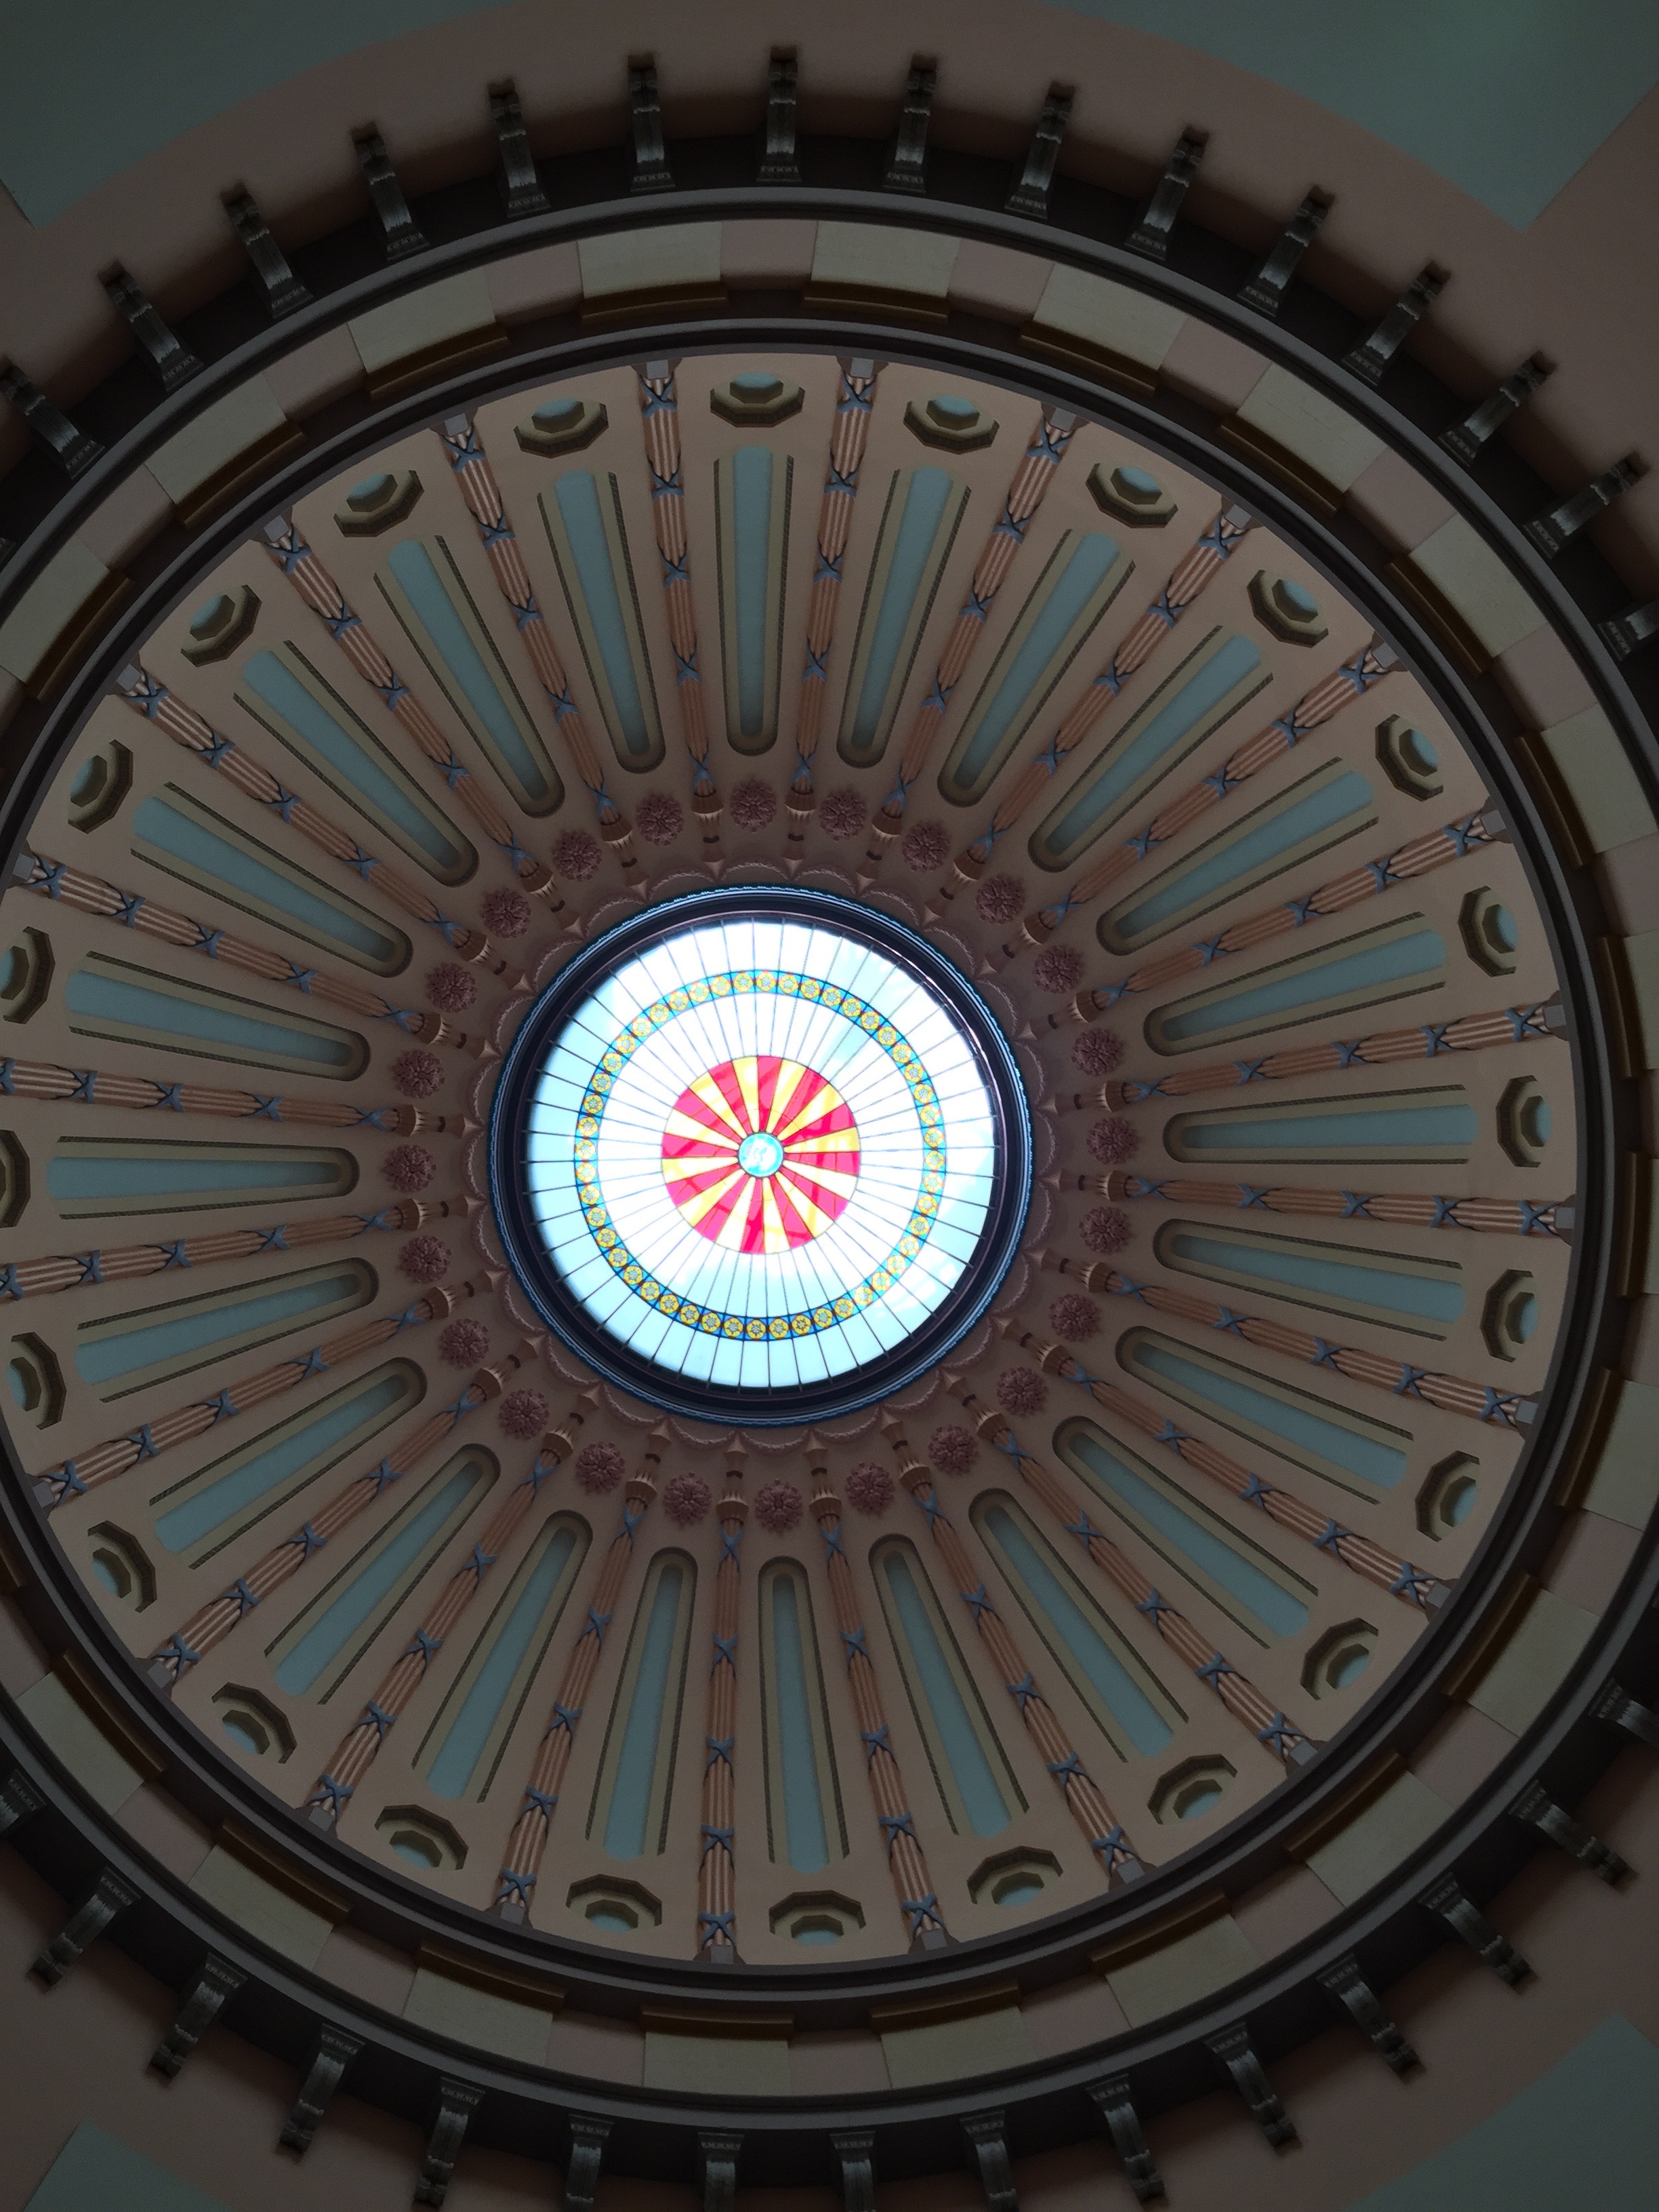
1464, 1917
906, 159
217, 1980
1539, 1810
1345, 1983
1266, 290
1150, 235
1464, 440
1036, 180
588, 2137
284, 293
1249, 2077
1627, 633
334, 2053
17, 1800
457, 2102
778, 165
1617, 1706
717, 2156
1372, 355
171, 361
404, 235
1115, 2104
651, 171
1559, 525
988, 2139
857, 2158
48, 425
109, 1896
520, 186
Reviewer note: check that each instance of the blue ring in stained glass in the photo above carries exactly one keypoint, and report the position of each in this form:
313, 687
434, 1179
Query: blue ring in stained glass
760, 1155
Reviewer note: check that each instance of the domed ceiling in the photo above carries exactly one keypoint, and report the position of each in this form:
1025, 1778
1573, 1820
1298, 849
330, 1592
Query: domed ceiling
792, 1165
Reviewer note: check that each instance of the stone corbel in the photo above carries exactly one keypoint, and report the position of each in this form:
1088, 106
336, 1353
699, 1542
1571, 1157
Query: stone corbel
651, 171
17, 1800
1372, 355
906, 159
1150, 235
1345, 1983
1266, 290
1036, 180
171, 361
109, 1895
403, 235
856, 2155
284, 294
588, 2137
1539, 1810
217, 1980
1115, 2104
1464, 440
987, 2139
334, 2053
1559, 525
457, 2103
1237, 2054
717, 2159
1447, 1900
48, 425
778, 165
520, 186
1629, 632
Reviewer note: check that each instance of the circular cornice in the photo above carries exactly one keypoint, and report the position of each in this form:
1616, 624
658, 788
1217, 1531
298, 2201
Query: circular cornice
281, 2006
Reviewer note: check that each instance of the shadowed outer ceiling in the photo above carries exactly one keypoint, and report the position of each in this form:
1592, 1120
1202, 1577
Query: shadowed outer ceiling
1505, 103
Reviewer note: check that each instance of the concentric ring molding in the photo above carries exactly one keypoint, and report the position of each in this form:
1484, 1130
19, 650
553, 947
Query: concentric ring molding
1479, 1841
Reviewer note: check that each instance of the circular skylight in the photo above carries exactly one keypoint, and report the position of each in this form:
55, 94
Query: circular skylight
761, 1155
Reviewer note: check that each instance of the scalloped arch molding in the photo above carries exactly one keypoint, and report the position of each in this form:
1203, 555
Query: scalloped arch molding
1506, 103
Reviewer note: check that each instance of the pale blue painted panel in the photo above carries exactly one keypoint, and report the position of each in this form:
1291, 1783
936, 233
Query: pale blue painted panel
578, 496
751, 523
1122, 1696
94, 2172
167, 1174
177, 1333
1295, 1421
239, 1033
1096, 800
463, 1745
374, 1587
803, 1801
987, 1809
924, 500
1364, 1130
1206, 878
1260, 1596
1437, 1297
427, 594
1085, 569
345, 752
240, 871
1410, 958
636, 1762
358, 1415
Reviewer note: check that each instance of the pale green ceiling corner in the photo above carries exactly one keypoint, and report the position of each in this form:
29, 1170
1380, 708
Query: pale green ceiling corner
1506, 99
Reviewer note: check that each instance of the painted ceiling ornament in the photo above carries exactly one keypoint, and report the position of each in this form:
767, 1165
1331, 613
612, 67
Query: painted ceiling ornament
760, 1142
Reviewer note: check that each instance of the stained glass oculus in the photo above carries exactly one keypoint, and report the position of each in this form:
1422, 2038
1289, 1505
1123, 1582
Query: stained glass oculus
761, 1154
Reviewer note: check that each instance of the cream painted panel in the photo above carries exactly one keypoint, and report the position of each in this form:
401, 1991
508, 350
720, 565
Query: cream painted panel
651, 260
708, 2065
52, 601
452, 308
1466, 571
467, 2015
1521, 1680
108, 1778
260, 1907
218, 437
1188, 1968
1305, 423
1600, 779
1375, 1841
891, 258
1109, 315
1625, 1484
957, 2050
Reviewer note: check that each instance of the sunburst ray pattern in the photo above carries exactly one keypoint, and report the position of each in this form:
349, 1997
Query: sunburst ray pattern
761, 1154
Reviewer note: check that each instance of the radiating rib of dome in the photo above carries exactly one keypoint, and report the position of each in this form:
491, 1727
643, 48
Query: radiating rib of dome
1412, 1585
105, 1461
1426, 1040
356, 1750
1420, 857
1084, 1798
717, 1890
848, 440
659, 419
1236, 1691
906, 1861
1026, 494
70, 1271
312, 581
211, 1623
1197, 568
478, 488
1452, 1393
153, 699
1491, 1216
517, 1880
91, 1086
1326, 698
56, 879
